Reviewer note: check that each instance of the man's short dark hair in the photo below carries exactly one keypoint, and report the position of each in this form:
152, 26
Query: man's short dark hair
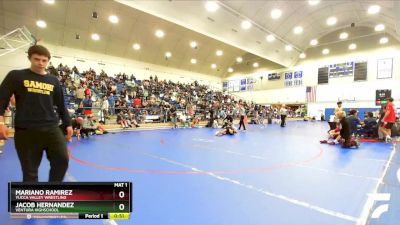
390, 99
39, 50
339, 103
353, 112
370, 114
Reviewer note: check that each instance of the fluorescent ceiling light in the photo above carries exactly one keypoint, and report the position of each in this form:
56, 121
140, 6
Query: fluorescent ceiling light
246, 24
331, 21
212, 6
113, 19
374, 9
276, 13
41, 24
343, 35
270, 38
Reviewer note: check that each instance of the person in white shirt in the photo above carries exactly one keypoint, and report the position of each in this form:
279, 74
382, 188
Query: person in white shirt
104, 108
338, 109
283, 113
242, 113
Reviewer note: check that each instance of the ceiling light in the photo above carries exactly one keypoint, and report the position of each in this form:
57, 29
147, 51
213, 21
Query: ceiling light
314, 42
212, 6
331, 21
193, 61
246, 24
374, 9
113, 19
302, 55
239, 59
95, 37
160, 33
193, 44
379, 27
298, 30
288, 48
41, 24
384, 40
343, 35
270, 38
230, 70
325, 51
214, 66
313, 2
219, 52
136, 46
352, 46
168, 54
276, 13
49, 1
255, 65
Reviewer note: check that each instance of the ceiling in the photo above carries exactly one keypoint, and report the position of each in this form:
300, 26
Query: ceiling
369, 40
186, 21
225, 23
67, 18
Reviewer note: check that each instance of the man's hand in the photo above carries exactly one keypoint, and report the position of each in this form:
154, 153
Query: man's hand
70, 132
3, 132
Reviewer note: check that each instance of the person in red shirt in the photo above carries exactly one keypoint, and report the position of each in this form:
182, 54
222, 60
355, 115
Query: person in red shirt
88, 92
388, 120
136, 102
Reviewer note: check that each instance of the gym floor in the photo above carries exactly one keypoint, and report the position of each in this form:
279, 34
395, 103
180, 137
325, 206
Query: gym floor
265, 175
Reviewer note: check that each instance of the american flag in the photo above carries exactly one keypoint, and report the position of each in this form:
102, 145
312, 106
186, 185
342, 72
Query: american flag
311, 93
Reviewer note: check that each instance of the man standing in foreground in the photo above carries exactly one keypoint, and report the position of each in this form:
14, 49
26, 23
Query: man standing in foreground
39, 108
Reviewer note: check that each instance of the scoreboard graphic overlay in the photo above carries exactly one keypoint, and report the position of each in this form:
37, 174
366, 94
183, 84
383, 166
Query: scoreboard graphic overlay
77, 200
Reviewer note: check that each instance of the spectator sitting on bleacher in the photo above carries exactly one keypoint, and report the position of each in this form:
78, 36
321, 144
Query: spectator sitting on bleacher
195, 122
121, 120
129, 118
117, 106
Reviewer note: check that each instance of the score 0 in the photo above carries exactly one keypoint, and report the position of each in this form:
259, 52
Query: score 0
121, 194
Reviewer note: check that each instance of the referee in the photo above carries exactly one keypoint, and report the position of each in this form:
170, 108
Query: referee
39, 108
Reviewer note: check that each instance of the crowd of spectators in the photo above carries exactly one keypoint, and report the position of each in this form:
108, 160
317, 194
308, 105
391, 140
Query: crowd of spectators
130, 101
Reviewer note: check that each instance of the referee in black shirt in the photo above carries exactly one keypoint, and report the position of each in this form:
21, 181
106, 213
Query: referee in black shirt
39, 108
